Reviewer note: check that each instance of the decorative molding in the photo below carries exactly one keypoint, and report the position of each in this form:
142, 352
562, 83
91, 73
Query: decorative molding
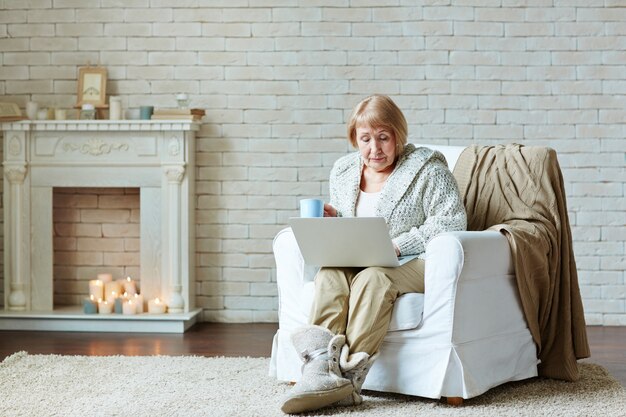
101, 125
174, 173
15, 146
95, 147
17, 297
43, 146
174, 146
15, 173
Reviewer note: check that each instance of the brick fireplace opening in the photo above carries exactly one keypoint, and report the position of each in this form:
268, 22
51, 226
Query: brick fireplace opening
96, 230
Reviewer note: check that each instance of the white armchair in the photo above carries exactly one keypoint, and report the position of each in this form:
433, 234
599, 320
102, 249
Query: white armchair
465, 335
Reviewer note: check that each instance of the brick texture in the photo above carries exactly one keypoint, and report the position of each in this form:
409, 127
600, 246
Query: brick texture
94, 232
278, 80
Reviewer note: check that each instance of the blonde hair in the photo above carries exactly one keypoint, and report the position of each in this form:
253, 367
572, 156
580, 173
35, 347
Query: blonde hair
379, 111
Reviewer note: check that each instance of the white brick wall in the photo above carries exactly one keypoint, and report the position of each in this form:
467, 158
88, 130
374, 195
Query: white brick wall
279, 77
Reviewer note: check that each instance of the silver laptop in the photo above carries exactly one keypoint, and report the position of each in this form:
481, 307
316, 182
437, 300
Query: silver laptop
346, 241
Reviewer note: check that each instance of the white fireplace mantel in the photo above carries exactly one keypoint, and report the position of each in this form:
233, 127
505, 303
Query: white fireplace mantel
155, 156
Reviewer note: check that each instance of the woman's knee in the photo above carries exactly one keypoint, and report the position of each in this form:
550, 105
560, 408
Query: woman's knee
331, 278
374, 277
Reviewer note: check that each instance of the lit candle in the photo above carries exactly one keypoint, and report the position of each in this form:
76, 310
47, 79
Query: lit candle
105, 277
110, 296
156, 306
138, 299
129, 286
96, 288
104, 307
110, 288
90, 306
129, 307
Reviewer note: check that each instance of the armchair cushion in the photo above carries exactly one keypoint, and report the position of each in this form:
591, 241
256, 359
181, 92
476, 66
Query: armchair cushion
408, 311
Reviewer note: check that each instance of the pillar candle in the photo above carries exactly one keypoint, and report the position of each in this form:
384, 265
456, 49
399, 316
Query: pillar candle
111, 296
31, 110
104, 307
110, 288
96, 289
138, 299
60, 114
129, 286
119, 305
120, 283
156, 306
129, 307
90, 306
105, 277
115, 108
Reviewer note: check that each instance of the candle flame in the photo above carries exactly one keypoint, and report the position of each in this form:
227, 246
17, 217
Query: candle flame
157, 301
128, 279
92, 297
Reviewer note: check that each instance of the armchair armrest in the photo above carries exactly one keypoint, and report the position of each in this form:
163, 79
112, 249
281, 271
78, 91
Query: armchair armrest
293, 278
288, 257
485, 253
470, 280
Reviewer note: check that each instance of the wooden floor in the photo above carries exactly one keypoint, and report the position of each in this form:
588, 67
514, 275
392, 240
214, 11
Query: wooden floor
608, 344
608, 348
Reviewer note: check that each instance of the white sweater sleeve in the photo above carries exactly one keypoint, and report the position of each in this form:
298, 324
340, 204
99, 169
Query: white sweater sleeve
442, 207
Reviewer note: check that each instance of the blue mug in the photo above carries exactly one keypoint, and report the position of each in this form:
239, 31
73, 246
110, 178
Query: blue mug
145, 112
311, 207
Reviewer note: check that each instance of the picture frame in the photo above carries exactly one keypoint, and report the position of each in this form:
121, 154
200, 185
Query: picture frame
10, 112
92, 82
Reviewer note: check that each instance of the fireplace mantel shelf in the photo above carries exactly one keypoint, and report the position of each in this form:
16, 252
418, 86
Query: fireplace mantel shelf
156, 156
101, 125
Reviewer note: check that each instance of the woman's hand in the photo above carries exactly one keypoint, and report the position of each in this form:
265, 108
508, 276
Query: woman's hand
329, 211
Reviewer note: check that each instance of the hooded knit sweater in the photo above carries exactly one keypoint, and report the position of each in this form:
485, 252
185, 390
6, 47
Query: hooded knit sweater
420, 198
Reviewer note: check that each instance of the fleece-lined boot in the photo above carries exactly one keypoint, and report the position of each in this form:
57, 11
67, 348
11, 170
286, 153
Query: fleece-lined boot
321, 383
355, 368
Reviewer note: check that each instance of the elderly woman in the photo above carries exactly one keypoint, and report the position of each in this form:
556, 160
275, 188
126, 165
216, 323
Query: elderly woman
413, 189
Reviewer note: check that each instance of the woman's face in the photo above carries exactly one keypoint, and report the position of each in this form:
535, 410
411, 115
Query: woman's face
377, 147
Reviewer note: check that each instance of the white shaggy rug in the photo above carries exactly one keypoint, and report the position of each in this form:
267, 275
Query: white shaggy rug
137, 386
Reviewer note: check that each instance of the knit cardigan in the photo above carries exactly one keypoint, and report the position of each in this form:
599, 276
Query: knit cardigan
419, 200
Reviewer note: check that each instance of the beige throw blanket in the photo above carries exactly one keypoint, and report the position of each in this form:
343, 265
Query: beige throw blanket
518, 190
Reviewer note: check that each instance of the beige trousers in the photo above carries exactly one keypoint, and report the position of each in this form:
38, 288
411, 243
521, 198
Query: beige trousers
358, 302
